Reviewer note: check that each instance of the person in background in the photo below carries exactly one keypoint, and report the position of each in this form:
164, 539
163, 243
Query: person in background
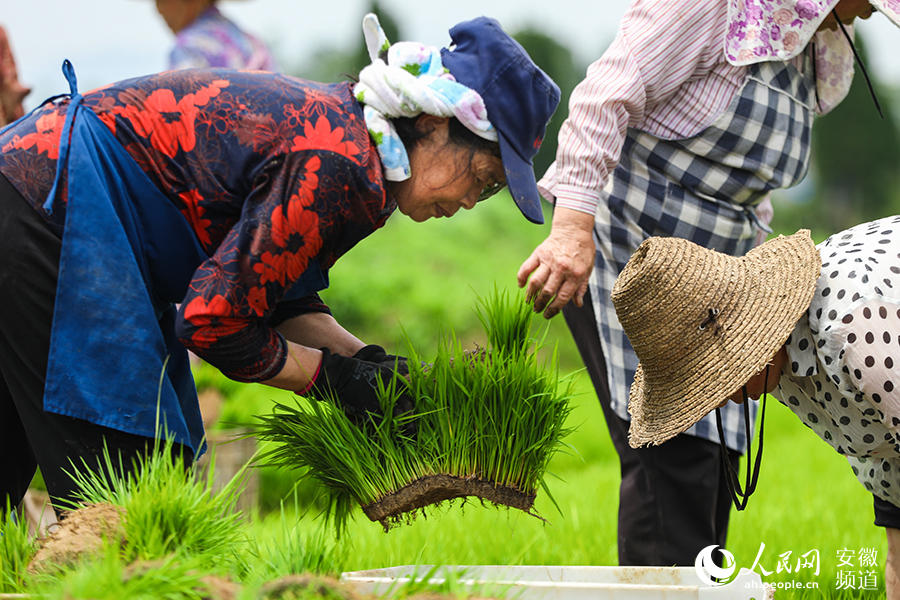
817, 327
231, 194
205, 38
695, 113
12, 93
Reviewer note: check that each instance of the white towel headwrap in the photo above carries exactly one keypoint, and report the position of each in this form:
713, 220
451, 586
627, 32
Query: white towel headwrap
407, 79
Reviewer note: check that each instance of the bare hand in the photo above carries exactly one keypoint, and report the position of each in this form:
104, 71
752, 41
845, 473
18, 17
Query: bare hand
559, 268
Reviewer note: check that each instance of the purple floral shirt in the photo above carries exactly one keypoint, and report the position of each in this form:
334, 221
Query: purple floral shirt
213, 40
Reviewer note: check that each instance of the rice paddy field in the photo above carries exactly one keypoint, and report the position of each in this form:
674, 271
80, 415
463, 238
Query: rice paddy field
807, 530
808, 503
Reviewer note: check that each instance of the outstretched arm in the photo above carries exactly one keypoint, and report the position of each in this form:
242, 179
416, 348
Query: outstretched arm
305, 334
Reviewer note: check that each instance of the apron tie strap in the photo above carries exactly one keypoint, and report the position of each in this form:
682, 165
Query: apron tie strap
75, 103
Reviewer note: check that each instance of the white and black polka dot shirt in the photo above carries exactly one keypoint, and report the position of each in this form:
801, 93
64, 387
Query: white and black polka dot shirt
843, 372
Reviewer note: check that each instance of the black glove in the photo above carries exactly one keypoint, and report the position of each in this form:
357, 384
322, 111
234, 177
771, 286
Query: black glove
353, 383
376, 354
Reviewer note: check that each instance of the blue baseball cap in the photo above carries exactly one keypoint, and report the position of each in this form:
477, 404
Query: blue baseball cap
520, 99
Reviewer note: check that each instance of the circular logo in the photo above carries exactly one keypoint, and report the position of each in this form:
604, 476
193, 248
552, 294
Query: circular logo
709, 572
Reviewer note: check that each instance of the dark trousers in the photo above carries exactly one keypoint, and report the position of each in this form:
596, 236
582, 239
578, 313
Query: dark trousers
29, 436
886, 514
673, 499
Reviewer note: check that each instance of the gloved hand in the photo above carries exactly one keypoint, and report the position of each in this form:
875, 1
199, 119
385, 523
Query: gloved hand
354, 384
377, 354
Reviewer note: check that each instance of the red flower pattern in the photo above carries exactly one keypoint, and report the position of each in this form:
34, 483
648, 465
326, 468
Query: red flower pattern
167, 122
193, 212
321, 136
270, 268
258, 301
46, 139
213, 320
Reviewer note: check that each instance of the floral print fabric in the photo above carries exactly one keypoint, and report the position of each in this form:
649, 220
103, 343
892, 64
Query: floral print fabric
276, 176
779, 30
761, 30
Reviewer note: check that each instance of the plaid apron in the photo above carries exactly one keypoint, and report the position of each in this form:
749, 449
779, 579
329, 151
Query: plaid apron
703, 189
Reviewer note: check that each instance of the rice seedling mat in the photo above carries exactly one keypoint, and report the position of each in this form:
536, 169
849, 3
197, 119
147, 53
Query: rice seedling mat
486, 424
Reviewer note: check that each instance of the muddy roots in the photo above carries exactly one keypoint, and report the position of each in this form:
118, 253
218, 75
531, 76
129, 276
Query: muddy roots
403, 504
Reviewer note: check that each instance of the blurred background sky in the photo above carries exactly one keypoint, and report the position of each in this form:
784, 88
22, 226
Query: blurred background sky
109, 40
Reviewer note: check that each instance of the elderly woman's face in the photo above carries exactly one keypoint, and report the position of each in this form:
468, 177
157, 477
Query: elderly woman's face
443, 179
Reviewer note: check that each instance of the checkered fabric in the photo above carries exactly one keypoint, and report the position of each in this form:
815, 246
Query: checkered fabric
704, 189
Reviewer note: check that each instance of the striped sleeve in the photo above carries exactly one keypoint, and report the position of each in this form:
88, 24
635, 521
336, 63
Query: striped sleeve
664, 73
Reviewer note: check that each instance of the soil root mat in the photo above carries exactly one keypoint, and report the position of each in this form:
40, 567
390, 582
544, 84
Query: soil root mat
434, 489
83, 532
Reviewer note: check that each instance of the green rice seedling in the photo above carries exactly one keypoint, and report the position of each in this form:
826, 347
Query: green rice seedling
16, 550
167, 510
487, 424
279, 547
110, 577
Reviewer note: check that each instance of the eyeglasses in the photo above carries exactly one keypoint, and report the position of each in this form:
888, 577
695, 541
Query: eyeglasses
490, 190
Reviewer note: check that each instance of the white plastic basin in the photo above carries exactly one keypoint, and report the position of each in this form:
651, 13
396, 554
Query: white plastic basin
568, 583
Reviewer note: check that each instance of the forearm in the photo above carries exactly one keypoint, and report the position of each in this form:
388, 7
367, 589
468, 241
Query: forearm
892, 565
318, 330
300, 369
305, 334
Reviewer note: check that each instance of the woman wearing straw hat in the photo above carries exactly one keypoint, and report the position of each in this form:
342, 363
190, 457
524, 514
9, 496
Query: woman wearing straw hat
205, 38
682, 128
232, 193
817, 327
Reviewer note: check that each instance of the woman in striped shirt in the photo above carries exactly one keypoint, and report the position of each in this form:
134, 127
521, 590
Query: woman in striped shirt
682, 128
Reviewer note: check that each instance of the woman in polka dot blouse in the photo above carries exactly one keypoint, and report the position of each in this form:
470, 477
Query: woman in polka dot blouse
819, 330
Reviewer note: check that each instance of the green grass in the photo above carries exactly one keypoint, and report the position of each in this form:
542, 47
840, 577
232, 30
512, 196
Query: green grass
807, 499
16, 549
415, 278
168, 509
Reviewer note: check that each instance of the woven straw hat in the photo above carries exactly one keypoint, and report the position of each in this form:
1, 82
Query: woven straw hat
665, 299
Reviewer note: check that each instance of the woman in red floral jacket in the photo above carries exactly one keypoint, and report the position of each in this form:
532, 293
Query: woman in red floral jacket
229, 194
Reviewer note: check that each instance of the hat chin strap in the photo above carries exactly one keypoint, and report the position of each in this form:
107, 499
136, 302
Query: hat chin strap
859, 61
740, 496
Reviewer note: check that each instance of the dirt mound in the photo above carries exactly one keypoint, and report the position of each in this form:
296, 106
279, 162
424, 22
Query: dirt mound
81, 533
392, 509
211, 587
307, 586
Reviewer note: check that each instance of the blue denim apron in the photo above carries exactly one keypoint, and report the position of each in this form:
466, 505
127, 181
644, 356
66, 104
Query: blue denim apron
128, 256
